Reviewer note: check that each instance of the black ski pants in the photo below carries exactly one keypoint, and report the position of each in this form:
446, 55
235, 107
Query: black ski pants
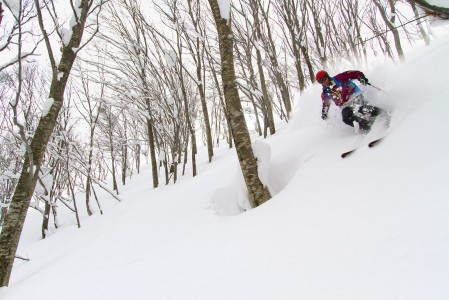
364, 115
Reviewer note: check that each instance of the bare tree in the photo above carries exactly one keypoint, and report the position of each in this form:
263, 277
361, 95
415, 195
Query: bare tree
422, 31
14, 139
244, 57
21, 28
267, 102
389, 18
258, 193
287, 9
195, 43
71, 41
90, 110
58, 168
176, 52
272, 52
110, 126
128, 53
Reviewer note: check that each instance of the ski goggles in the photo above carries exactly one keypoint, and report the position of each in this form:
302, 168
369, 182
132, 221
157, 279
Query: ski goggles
323, 79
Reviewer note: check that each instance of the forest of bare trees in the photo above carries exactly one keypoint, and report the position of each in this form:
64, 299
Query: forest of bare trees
94, 89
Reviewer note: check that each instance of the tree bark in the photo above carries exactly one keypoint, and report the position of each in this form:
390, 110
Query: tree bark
152, 153
89, 171
111, 149
258, 193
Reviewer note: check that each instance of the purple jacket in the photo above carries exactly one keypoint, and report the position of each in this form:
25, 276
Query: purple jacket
342, 89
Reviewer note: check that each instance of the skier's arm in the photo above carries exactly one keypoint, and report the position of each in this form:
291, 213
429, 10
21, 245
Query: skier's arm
326, 104
352, 75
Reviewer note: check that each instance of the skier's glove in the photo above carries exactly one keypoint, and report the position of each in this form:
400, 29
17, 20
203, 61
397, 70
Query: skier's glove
363, 80
324, 115
324, 112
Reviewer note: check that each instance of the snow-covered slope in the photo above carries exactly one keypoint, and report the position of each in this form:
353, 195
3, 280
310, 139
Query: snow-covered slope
372, 226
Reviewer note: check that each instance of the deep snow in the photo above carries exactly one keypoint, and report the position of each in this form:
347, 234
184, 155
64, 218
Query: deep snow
372, 226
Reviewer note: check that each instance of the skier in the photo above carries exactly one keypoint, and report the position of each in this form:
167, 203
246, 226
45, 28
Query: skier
347, 95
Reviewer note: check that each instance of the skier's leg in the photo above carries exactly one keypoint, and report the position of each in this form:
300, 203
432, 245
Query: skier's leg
370, 110
370, 113
348, 116
364, 126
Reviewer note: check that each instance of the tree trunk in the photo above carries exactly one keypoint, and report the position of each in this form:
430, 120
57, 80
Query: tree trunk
152, 145
210, 150
199, 69
305, 54
222, 105
276, 68
89, 170
254, 86
187, 115
266, 99
46, 219
137, 152
319, 40
124, 162
114, 179
88, 188
258, 193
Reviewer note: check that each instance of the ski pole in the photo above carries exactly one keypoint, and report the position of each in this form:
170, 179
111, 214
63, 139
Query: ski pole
376, 87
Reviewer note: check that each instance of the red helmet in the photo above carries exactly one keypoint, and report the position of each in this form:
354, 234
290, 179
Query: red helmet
320, 74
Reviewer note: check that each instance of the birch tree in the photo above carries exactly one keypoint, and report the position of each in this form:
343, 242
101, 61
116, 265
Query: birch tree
258, 193
61, 67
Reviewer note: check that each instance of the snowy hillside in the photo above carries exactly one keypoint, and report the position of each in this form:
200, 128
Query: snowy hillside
372, 226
